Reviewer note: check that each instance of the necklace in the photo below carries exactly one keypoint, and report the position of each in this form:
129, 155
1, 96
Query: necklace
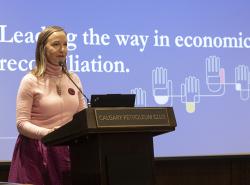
59, 86
59, 89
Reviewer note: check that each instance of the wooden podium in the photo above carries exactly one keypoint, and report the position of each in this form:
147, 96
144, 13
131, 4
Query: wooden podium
113, 146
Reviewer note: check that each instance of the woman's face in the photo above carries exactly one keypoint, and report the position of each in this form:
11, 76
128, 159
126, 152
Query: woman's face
56, 48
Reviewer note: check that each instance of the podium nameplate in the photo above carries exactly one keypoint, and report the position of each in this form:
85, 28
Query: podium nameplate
131, 117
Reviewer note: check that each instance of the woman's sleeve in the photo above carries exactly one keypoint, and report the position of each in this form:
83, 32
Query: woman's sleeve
24, 103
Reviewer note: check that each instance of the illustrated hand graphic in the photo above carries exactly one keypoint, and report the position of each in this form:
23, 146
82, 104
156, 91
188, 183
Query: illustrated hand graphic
215, 75
162, 87
190, 92
242, 80
140, 100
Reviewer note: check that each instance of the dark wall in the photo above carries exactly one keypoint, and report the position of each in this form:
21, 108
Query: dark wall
217, 170
4, 170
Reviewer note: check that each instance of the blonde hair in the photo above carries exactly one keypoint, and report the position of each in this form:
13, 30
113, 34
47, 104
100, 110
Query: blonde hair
40, 68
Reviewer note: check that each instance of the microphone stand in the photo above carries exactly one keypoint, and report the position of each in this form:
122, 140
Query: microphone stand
64, 71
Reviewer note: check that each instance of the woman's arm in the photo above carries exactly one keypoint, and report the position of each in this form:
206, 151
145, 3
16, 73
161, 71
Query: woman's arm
24, 103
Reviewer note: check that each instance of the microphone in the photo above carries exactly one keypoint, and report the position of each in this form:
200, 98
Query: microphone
62, 64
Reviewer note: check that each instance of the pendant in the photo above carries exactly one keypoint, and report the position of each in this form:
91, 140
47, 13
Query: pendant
58, 90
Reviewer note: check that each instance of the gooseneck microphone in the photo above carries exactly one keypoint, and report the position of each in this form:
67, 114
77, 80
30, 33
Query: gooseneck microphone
62, 64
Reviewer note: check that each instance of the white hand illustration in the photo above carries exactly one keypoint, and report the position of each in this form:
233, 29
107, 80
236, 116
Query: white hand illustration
140, 100
242, 80
190, 92
215, 75
162, 87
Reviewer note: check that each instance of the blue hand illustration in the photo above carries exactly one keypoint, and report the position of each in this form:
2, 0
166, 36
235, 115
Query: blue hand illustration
162, 87
190, 92
141, 97
215, 75
242, 80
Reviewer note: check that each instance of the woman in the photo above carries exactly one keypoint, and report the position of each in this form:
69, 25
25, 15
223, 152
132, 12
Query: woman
46, 100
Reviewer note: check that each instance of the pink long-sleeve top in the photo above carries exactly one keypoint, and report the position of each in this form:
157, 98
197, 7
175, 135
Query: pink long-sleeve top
40, 108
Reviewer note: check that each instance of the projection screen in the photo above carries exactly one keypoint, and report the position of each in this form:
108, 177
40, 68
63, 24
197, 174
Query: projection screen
191, 55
